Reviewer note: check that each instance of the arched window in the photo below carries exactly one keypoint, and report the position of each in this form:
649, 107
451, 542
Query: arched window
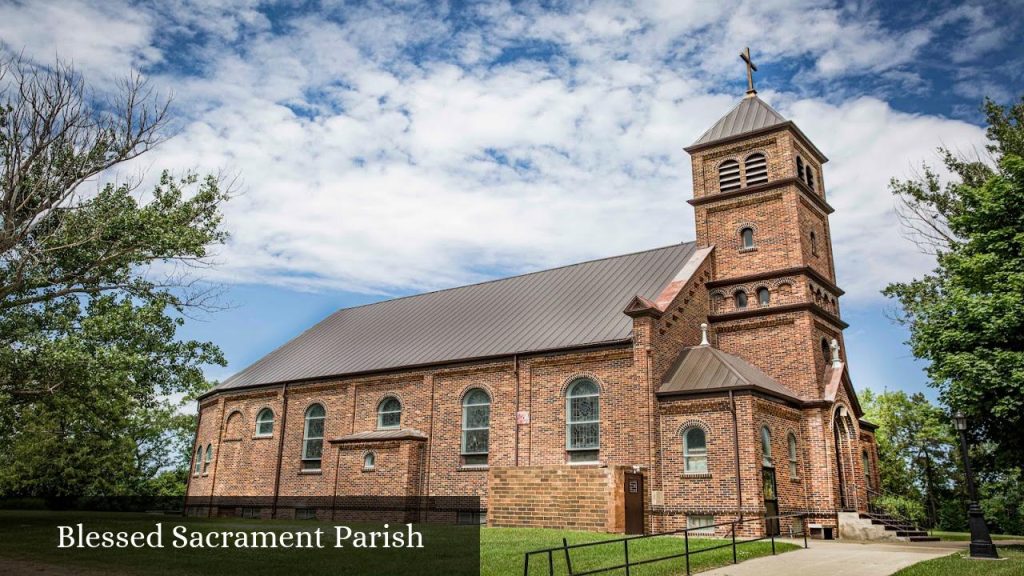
369, 461
810, 177
729, 176
741, 299
199, 461
747, 238
764, 297
867, 468
695, 450
583, 421
766, 446
826, 351
799, 167
209, 458
265, 422
814, 243
791, 442
389, 413
756, 169
313, 438
476, 425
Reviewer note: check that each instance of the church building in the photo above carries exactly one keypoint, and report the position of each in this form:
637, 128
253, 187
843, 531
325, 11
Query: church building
682, 386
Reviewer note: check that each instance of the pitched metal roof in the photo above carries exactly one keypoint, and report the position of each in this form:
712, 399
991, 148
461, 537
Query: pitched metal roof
565, 307
749, 115
706, 369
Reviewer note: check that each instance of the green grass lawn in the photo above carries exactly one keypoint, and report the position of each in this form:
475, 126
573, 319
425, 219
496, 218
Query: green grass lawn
965, 536
31, 536
959, 565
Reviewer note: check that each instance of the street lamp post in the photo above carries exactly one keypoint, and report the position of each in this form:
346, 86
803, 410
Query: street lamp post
981, 541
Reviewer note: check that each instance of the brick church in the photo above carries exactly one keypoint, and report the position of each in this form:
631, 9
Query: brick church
676, 387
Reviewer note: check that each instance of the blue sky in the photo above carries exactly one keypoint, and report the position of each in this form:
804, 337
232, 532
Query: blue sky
390, 148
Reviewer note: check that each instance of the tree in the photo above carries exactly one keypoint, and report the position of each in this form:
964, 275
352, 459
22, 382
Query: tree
967, 317
93, 286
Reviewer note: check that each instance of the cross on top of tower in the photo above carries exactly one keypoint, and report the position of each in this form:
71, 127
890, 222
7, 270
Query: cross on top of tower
751, 68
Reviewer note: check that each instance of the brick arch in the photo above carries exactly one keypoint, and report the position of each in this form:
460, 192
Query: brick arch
693, 423
234, 424
385, 396
578, 375
750, 225
466, 389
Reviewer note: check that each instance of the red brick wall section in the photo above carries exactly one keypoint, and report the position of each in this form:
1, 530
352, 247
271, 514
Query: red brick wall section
557, 496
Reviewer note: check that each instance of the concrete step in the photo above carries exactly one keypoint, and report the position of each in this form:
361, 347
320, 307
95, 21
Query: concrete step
924, 538
910, 533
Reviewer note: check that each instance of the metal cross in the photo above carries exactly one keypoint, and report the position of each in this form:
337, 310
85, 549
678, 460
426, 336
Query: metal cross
751, 68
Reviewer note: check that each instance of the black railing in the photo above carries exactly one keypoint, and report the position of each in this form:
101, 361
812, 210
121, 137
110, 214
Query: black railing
888, 518
566, 549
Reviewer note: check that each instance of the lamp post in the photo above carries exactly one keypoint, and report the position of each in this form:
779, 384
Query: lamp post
981, 541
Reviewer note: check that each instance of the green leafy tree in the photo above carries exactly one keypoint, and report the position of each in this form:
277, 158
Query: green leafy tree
967, 317
93, 287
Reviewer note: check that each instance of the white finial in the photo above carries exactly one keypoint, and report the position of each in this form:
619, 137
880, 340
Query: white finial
835, 352
704, 334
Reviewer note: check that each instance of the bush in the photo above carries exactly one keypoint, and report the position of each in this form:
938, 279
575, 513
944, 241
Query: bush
953, 515
902, 507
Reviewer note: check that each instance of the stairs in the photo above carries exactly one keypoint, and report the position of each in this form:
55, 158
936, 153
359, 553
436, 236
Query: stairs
904, 530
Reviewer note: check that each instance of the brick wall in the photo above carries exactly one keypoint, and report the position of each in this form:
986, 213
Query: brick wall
557, 496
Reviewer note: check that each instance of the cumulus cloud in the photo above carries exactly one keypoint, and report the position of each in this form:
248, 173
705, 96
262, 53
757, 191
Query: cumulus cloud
392, 150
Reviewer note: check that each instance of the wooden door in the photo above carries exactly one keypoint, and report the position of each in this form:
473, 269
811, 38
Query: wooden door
634, 499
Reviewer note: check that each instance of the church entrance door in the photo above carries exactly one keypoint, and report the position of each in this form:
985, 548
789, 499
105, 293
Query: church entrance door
771, 501
634, 502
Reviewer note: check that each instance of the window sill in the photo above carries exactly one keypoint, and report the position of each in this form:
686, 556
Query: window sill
239, 439
597, 464
696, 475
369, 470
205, 474
263, 437
795, 480
471, 468
316, 472
745, 250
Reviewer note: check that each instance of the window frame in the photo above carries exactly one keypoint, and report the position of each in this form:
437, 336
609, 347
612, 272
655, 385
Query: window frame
570, 422
476, 458
198, 467
208, 460
744, 245
763, 301
792, 453
700, 524
691, 454
370, 460
762, 178
307, 461
735, 181
736, 299
766, 447
260, 421
381, 413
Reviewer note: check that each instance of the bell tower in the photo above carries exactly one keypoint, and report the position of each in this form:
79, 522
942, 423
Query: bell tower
759, 199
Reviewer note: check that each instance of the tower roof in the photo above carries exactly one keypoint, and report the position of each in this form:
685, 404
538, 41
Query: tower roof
750, 115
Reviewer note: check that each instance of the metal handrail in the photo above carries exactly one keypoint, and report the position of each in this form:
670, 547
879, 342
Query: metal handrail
898, 519
565, 548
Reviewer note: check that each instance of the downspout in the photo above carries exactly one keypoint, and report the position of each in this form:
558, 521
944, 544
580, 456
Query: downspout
216, 461
192, 460
280, 448
430, 439
650, 420
736, 454
337, 466
515, 372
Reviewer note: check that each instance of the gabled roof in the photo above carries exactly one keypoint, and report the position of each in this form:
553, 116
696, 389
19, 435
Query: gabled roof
567, 307
750, 115
702, 369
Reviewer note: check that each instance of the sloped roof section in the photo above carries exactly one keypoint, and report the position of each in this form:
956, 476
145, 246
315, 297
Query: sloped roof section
702, 369
565, 307
749, 115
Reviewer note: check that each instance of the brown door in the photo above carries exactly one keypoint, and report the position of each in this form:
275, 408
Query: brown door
634, 487
771, 501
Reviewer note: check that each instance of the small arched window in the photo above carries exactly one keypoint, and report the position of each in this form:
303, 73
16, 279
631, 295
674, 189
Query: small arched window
791, 442
810, 177
826, 351
756, 169
729, 176
799, 167
476, 426
199, 461
389, 413
747, 238
814, 243
369, 461
764, 297
583, 421
313, 437
867, 468
741, 299
695, 450
766, 446
265, 423
209, 458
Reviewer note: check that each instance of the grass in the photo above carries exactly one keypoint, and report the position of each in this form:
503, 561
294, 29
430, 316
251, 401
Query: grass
965, 536
959, 565
31, 536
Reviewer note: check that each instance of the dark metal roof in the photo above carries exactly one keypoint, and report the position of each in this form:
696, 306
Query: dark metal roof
382, 435
703, 369
565, 307
749, 115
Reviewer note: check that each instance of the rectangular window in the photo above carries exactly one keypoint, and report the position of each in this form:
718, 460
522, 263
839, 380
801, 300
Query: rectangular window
471, 517
474, 460
697, 462
265, 428
583, 456
250, 512
701, 524
305, 513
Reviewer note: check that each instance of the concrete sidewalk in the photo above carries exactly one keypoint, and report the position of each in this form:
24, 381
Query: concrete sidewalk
841, 559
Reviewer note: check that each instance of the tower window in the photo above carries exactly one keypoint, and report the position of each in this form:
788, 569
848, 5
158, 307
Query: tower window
799, 167
741, 299
814, 243
810, 177
764, 297
825, 351
729, 176
756, 169
747, 238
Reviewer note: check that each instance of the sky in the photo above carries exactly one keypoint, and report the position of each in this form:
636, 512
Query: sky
389, 148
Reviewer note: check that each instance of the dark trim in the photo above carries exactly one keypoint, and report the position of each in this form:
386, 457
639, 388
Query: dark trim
428, 365
800, 185
762, 131
770, 310
867, 425
806, 270
407, 436
280, 448
755, 390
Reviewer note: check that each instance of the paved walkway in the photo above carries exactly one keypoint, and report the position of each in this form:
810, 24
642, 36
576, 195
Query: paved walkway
841, 559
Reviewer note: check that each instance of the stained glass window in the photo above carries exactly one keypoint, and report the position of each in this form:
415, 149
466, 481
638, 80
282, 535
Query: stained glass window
389, 413
583, 420
476, 424
313, 439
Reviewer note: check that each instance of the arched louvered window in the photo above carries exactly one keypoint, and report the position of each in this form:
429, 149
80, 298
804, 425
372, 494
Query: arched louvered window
313, 437
764, 297
799, 167
695, 450
756, 169
729, 176
476, 427
389, 413
583, 421
741, 299
747, 238
810, 177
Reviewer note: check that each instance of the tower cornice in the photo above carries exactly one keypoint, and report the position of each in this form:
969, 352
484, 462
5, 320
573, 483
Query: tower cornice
788, 124
806, 270
800, 185
774, 310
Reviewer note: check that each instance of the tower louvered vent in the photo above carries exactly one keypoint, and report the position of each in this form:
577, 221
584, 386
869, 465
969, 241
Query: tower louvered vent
757, 170
729, 176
